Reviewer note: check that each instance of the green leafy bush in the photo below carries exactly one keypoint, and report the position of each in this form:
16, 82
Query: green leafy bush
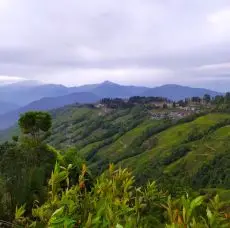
114, 201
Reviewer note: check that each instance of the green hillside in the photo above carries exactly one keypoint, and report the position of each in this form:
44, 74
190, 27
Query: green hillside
178, 152
62, 165
183, 151
192, 151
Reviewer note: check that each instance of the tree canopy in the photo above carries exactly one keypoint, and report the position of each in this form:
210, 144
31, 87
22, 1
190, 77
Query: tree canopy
35, 123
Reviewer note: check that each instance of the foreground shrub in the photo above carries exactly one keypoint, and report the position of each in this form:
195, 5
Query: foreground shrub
114, 201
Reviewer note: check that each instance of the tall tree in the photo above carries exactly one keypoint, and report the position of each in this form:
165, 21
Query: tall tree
35, 124
207, 98
227, 98
196, 99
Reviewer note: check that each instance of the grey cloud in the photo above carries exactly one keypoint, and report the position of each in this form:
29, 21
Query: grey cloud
52, 40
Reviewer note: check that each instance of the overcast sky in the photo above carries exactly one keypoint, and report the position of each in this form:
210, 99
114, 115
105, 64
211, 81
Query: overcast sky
140, 42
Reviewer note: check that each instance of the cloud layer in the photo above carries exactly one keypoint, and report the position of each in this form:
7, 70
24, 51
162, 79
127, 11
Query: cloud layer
147, 42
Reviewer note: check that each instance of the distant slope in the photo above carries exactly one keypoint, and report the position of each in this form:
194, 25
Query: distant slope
24, 83
24, 94
83, 88
177, 92
7, 107
49, 103
8, 119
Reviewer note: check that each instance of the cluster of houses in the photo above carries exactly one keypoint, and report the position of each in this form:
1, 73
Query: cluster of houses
175, 111
173, 115
160, 108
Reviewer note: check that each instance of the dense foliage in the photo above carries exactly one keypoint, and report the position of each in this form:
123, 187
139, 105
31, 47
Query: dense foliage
132, 101
179, 168
113, 201
25, 165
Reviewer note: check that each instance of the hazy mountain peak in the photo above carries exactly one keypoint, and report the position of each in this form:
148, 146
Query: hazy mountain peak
25, 83
108, 83
178, 92
172, 85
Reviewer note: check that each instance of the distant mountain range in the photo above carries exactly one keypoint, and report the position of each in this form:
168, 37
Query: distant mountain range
7, 107
23, 94
32, 95
177, 92
47, 103
26, 92
110, 89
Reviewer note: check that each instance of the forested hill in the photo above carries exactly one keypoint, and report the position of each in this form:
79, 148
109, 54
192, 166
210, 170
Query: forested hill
193, 150
164, 143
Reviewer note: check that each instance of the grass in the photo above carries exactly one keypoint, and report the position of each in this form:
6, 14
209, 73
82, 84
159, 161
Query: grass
203, 150
146, 162
118, 149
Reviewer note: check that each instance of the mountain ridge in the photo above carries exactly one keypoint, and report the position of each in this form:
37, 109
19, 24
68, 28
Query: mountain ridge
27, 94
50, 96
178, 92
47, 103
